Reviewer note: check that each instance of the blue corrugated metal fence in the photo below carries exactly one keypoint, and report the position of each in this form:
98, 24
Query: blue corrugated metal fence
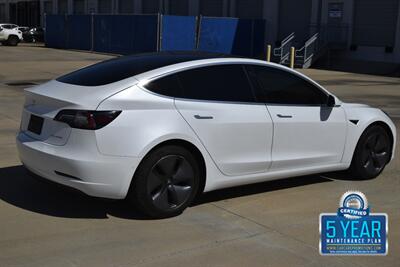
129, 34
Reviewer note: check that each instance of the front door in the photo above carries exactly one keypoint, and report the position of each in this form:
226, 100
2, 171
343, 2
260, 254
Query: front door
307, 136
307, 133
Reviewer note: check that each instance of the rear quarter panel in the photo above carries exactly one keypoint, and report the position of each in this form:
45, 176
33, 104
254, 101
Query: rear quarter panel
146, 121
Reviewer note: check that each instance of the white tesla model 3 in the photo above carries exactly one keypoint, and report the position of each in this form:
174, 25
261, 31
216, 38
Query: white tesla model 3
161, 128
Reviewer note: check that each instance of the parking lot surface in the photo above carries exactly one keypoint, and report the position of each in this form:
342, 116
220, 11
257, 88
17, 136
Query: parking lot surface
268, 224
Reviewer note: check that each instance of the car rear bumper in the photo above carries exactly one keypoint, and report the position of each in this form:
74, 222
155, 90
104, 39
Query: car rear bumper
78, 167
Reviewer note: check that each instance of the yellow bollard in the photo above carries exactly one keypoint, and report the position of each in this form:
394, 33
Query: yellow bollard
268, 53
292, 52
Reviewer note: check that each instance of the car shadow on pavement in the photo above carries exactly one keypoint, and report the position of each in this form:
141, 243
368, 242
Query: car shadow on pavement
21, 189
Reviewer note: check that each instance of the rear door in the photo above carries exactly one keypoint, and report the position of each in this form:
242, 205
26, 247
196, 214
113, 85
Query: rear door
307, 133
219, 105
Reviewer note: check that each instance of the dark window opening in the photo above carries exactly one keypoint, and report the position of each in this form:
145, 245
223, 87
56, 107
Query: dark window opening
227, 83
276, 86
167, 86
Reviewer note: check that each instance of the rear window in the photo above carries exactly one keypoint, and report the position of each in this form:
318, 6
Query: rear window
117, 69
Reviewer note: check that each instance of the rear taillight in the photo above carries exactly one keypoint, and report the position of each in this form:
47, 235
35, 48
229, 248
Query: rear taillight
86, 119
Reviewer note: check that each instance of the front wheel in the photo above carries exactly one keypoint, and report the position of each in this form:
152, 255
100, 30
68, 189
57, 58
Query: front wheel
372, 153
12, 40
166, 182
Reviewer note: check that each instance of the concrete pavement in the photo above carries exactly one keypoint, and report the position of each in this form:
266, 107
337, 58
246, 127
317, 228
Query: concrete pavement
268, 224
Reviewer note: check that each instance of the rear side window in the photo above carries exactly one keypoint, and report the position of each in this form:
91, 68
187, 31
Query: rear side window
168, 86
276, 86
219, 83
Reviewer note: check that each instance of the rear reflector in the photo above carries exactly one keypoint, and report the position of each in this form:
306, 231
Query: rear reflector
67, 175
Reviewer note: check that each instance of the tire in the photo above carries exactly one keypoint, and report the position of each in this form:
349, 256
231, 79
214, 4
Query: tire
166, 182
12, 40
372, 153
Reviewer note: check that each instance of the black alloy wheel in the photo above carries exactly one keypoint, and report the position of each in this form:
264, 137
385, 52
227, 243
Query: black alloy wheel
170, 182
375, 153
372, 153
12, 40
166, 182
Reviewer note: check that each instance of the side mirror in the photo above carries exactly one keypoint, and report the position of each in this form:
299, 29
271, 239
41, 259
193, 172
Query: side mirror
1, 29
330, 102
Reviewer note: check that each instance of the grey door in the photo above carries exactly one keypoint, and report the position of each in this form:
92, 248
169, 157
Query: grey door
336, 31
2, 12
375, 22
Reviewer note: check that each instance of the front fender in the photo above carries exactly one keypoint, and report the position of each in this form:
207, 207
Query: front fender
365, 117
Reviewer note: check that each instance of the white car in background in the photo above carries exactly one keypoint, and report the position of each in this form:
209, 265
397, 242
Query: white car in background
161, 128
10, 34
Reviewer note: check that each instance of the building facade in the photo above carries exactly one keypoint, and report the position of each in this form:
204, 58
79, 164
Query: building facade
360, 29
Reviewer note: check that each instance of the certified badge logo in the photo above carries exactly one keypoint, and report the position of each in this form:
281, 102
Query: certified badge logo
353, 205
353, 230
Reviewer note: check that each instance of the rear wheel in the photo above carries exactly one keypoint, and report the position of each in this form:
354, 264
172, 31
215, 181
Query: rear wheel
372, 153
12, 40
166, 182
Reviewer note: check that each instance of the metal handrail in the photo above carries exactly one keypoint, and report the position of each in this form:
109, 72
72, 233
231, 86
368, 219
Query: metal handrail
312, 39
284, 50
288, 38
309, 46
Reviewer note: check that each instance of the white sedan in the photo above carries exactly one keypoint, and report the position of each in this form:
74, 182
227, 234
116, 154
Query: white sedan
161, 128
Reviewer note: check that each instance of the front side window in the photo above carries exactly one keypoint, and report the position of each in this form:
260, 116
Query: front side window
218, 83
277, 86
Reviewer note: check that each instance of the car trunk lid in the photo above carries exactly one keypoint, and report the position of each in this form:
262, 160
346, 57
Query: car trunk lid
46, 100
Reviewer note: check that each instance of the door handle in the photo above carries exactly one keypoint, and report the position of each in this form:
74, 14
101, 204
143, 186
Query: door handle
203, 117
284, 116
